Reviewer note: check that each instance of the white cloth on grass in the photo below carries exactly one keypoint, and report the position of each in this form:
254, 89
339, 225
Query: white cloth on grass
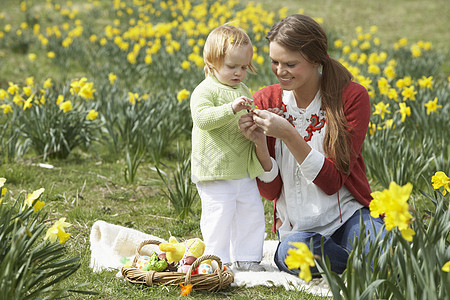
111, 243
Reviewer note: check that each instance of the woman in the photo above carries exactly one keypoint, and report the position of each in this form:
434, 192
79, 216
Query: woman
315, 173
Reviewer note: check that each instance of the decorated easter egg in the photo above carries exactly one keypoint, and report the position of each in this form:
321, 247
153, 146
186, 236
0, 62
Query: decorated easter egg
189, 260
194, 272
143, 262
214, 265
205, 269
184, 268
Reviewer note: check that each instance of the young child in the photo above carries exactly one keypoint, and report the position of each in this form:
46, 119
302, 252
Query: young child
223, 162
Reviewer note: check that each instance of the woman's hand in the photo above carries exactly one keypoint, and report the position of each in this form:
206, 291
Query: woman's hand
272, 124
278, 223
276, 111
255, 134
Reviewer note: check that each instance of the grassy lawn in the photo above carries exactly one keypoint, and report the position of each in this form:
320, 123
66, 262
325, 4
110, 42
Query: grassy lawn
91, 185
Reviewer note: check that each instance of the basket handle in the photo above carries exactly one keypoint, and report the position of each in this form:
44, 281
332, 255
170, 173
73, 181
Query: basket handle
139, 248
198, 261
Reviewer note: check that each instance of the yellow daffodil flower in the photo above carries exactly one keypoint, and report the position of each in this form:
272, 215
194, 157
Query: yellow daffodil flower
390, 123
58, 231
47, 83
29, 81
441, 180
131, 57
372, 128
383, 86
400, 83
27, 103
393, 203
183, 94
381, 109
133, 97
404, 111
76, 85
59, 99
18, 100
6, 108
66, 106
185, 65
3, 94
365, 45
301, 258
87, 91
426, 82
2, 189
92, 115
34, 196
112, 78
148, 59
409, 93
389, 71
374, 69
13, 88
346, 49
407, 80
32, 56
446, 267
392, 94
432, 106
27, 90
416, 51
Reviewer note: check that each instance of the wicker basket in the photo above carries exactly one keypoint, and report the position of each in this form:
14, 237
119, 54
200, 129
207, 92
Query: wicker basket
207, 282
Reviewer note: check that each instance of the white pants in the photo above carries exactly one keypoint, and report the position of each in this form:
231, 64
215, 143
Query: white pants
232, 220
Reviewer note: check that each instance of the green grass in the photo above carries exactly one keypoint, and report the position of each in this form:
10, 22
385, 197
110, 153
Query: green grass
86, 189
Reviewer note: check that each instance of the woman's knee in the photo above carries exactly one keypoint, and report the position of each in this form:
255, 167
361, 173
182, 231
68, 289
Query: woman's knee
299, 237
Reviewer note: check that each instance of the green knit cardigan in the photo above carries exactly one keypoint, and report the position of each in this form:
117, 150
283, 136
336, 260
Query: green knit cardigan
219, 150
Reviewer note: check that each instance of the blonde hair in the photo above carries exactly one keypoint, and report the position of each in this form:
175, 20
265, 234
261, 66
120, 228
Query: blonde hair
221, 41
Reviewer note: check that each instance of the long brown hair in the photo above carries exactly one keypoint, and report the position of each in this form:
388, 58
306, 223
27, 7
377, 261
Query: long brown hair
301, 33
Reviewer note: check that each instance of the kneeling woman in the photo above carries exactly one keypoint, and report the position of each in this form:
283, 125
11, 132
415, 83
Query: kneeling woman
315, 172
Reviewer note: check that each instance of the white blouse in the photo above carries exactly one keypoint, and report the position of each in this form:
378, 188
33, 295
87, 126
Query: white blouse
303, 206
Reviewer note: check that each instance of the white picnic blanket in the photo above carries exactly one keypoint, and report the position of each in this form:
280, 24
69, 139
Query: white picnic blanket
111, 243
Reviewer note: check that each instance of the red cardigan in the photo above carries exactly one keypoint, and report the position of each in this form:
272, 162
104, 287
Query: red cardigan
356, 105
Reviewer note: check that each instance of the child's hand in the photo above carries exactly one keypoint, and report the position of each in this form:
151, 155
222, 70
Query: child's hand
276, 111
241, 103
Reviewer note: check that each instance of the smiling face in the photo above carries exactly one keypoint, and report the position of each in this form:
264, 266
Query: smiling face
293, 71
235, 64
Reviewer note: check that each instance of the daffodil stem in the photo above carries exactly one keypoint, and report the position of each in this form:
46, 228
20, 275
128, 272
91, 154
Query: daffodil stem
79, 229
